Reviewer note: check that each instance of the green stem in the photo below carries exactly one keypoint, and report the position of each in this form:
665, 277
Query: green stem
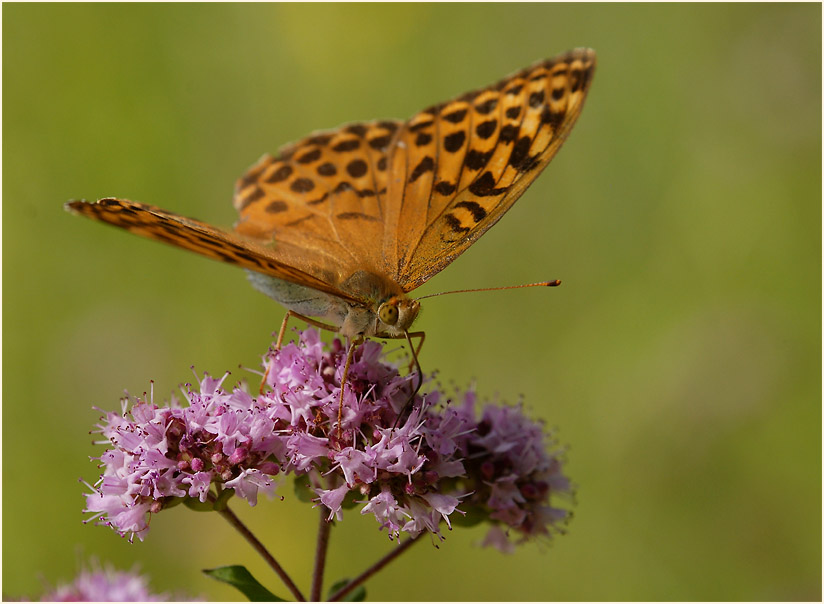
229, 515
374, 568
324, 529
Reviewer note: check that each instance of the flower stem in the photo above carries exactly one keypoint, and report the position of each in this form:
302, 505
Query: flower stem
324, 529
374, 568
229, 515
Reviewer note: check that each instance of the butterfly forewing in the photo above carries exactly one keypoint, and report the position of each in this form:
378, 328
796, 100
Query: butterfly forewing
512, 130
412, 162
188, 233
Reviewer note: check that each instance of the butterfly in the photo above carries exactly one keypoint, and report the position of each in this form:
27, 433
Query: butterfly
343, 224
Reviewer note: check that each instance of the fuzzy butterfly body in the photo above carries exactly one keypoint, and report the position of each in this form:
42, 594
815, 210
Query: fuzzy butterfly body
344, 223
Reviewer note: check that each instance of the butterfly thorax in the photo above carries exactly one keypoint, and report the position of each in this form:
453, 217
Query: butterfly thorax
382, 308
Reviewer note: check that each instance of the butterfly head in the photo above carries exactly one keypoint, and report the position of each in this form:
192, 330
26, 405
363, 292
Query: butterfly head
384, 309
397, 314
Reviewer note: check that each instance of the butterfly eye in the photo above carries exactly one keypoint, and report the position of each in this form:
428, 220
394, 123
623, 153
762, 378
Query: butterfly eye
388, 313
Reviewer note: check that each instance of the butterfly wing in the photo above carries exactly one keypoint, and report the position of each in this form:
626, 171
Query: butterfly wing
325, 193
402, 200
276, 259
456, 168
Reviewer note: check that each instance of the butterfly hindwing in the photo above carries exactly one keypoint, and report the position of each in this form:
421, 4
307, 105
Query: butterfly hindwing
324, 193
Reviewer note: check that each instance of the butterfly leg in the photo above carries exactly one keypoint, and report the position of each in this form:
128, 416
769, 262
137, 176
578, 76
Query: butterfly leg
297, 315
349, 354
417, 352
414, 364
282, 332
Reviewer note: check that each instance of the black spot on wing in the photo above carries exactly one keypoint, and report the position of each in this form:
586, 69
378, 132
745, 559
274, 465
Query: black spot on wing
478, 213
475, 160
349, 145
319, 200
356, 168
487, 106
484, 186
422, 139
357, 129
387, 125
508, 133
420, 126
426, 164
280, 174
486, 129
453, 142
455, 224
576, 80
248, 179
309, 157
520, 153
455, 116
327, 169
553, 118
380, 142
469, 96
445, 188
302, 185
253, 196
319, 139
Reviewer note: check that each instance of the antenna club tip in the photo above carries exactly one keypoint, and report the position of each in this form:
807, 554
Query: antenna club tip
553, 283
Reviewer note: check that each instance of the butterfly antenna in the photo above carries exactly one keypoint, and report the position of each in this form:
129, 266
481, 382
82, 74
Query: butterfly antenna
553, 283
411, 398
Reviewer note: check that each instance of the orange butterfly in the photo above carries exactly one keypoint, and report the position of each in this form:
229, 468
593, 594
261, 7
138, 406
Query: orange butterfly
342, 225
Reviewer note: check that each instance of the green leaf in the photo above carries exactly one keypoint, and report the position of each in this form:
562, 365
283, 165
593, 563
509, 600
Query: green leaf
356, 595
193, 503
223, 499
303, 489
170, 502
241, 579
474, 515
351, 499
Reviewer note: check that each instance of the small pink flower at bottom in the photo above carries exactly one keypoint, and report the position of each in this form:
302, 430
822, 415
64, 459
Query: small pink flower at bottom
106, 585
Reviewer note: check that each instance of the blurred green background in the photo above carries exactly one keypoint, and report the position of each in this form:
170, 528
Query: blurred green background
680, 360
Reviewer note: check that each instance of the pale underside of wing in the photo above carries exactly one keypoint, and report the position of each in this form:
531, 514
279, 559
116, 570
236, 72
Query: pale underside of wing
276, 260
456, 168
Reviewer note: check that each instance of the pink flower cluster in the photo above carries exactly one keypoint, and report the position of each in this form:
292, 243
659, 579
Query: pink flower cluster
409, 465
105, 584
